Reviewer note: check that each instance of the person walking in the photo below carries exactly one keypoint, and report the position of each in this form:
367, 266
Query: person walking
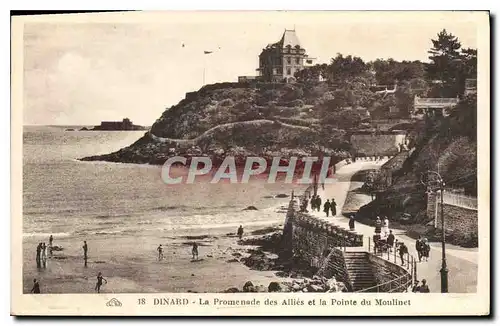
403, 250
240, 231
85, 251
416, 287
160, 252
36, 287
318, 203
51, 239
390, 240
333, 207
351, 223
98, 285
326, 207
194, 251
378, 226
418, 248
424, 288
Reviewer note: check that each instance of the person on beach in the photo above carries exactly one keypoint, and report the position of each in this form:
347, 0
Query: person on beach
240, 232
333, 207
386, 226
38, 255
326, 207
160, 252
99, 282
85, 251
403, 250
51, 239
36, 287
378, 226
351, 223
194, 251
390, 240
44, 255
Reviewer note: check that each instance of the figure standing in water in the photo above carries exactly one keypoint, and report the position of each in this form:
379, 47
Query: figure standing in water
51, 240
99, 282
160, 252
85, 250
44, 255
36, 287
38, 255
194, 251
240, 232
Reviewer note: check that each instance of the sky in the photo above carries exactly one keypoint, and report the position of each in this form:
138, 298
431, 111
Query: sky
82, 70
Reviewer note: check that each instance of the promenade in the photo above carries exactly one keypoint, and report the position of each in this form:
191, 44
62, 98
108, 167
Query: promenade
462, 262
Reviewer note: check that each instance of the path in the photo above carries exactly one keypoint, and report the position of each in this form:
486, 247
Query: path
462, 263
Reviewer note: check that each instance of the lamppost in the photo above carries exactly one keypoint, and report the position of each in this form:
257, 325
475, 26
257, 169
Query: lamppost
434, 178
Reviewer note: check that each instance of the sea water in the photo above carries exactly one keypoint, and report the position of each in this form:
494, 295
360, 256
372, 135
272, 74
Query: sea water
63, 196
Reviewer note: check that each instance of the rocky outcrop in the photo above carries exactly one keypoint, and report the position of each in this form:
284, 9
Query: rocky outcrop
236, 120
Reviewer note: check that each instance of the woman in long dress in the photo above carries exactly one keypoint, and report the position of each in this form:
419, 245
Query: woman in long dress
386, 226
378, 226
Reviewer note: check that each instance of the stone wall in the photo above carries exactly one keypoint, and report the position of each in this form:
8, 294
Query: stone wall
370, 144
456, 219
313, 241
385, 272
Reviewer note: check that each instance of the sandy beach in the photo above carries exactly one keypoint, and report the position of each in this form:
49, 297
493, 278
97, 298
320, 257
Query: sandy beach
130, 264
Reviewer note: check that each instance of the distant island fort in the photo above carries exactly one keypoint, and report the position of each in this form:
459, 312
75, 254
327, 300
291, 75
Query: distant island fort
125, 124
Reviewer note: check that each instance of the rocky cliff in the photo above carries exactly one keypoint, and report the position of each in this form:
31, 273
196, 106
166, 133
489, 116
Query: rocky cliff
239, 120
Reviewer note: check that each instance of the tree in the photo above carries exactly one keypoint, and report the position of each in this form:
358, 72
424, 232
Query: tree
444, 56
345, 68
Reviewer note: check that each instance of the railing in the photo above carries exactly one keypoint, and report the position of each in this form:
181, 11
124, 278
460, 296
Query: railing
460, 200
402, 282
425, 102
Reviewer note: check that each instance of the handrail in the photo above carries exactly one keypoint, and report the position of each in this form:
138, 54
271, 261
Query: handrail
411, 268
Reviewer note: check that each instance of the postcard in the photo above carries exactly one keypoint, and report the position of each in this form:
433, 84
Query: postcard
291, 163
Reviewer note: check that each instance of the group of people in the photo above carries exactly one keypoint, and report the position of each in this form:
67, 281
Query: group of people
194, 250
43, 252
41, 261
421, 288
422, 248
382, 226
330, 206
316, 203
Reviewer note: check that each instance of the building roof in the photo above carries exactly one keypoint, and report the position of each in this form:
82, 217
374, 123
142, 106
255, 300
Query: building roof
289, 38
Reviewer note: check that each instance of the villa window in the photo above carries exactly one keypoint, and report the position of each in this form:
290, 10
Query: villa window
288, 71
297, 60
289, 60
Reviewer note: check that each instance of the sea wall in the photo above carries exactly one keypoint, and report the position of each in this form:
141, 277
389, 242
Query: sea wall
390, 276
313, 240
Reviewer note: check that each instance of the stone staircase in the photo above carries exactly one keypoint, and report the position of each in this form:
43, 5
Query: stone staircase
359, 270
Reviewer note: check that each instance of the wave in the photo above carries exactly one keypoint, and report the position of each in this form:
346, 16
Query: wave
46, 235
194, 208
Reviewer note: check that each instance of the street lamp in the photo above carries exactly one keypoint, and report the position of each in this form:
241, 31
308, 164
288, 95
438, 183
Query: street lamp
439, 183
